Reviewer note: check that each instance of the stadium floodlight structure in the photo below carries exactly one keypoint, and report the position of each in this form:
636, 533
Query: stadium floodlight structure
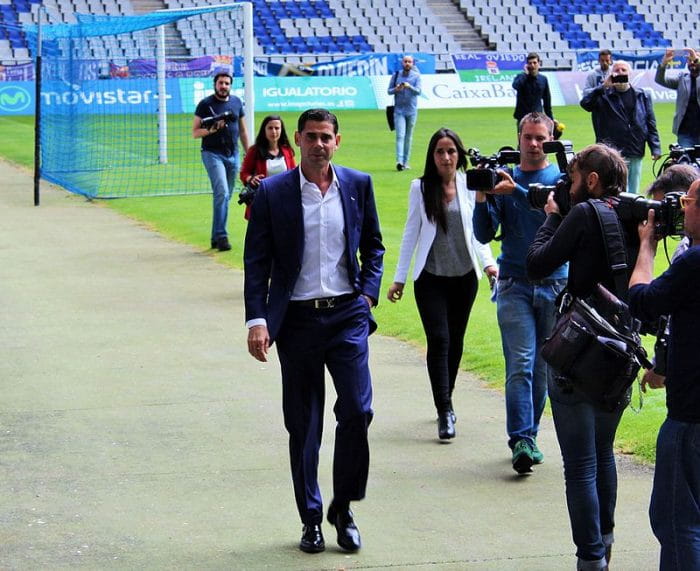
116, 96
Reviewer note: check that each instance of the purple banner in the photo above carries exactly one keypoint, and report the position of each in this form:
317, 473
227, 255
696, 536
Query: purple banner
21, 72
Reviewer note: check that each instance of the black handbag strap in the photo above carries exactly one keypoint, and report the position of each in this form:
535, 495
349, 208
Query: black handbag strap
614, 242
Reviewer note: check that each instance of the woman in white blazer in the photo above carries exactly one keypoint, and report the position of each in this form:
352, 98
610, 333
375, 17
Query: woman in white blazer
448, 262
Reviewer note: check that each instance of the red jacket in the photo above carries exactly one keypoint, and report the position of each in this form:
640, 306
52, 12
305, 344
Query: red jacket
253, 164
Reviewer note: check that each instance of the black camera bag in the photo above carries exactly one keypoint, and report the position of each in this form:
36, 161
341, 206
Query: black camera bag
595, 345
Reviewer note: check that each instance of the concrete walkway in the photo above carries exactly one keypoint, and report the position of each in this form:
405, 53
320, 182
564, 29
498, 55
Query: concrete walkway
137, 433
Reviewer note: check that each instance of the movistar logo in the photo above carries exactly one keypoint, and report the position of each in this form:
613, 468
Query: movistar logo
14, 99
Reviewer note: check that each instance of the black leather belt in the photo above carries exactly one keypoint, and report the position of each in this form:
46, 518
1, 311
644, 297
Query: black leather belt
323, 302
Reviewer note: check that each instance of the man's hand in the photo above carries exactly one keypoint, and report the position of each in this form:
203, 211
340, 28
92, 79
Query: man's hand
652, 380
691, 54
551, 207
647, 231
395, 292
668, 56
258, 342
505, 186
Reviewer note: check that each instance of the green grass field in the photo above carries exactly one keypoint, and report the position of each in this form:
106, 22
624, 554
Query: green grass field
368, 145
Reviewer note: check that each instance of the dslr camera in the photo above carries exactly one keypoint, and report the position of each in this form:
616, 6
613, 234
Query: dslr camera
247, 195
538, 193
678, 155
207, 122
484, 174
668, 214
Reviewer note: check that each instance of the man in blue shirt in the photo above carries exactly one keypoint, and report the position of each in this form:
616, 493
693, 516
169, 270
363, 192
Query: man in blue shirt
532, 90
405, 86
675, 499
525, 310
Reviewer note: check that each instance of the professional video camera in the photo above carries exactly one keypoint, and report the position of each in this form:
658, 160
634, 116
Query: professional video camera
678, 155
538, 193
484, 175
207, 122
668, 214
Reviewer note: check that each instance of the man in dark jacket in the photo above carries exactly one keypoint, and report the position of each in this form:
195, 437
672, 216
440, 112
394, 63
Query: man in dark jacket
532, 90
625, 119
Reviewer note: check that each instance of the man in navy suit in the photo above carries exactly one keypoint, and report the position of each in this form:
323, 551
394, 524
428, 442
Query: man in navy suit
306, 289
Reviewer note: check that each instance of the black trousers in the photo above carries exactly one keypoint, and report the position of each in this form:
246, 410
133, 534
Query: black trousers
444, 305
310, 341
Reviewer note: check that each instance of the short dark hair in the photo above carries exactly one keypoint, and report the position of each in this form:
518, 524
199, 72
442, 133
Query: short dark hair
604, 52
607, 163
320, 115
221, 74
537, 117
675, 177
533, 55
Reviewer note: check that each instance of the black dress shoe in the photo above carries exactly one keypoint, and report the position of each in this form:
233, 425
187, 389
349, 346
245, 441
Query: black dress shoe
348, 534
446, 425
312, 539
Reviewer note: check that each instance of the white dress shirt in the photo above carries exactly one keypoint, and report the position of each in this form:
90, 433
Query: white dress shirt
324, 268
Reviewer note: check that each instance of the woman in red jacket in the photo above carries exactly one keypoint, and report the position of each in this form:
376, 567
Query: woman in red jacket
271, 154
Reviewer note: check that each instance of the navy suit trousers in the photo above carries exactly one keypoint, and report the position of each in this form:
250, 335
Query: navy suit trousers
309, 341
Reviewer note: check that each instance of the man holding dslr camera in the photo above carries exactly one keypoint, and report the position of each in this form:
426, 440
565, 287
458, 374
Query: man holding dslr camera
525, 309
220, 149
625, 119
675, 501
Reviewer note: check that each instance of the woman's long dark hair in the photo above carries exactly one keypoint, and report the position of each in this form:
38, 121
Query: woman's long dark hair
262, 145
431, 182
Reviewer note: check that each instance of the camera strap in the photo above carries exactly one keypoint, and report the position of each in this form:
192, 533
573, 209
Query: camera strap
614, 243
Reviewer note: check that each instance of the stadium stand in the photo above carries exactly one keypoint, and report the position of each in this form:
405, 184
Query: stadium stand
297, 31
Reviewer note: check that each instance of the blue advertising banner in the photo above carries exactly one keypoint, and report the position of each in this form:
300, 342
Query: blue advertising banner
369, 64
587, 61
109, 96
299, 93
17, 98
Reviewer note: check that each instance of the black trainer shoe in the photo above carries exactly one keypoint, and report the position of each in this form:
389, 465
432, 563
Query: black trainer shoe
222, 244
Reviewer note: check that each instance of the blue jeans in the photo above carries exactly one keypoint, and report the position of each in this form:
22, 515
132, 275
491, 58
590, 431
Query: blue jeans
586, 436
526, 315
686, 141
634, 173
404, 136
222, 174
675, 499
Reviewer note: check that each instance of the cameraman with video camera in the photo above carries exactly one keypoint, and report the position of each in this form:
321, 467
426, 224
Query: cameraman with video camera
525, 309
585, 431
675, 500
218, 121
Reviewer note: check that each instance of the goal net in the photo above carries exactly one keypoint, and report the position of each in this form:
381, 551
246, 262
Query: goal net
118, 93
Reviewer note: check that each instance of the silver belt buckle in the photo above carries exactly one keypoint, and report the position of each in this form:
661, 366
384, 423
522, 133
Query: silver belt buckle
327, 303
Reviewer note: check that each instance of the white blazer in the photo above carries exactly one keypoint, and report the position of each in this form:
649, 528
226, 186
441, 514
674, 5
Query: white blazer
419, 233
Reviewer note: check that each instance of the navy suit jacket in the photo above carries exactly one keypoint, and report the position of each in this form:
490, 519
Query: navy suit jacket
274, 242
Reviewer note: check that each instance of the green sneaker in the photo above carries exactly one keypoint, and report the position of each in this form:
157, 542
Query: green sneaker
537, 456
522, 457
